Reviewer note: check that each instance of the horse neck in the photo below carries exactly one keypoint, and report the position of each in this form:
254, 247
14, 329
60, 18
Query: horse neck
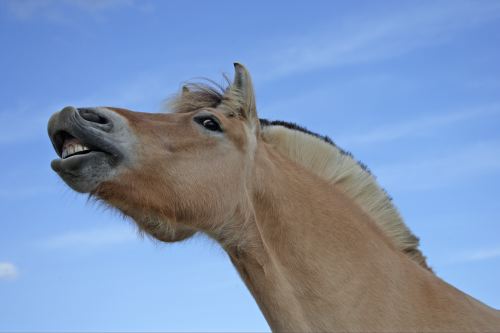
311, 247
317, 262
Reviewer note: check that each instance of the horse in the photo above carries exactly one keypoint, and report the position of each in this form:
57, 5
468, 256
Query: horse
319, 244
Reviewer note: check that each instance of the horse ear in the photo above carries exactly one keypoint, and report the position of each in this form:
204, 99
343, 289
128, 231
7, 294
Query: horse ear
242, 89
185, 90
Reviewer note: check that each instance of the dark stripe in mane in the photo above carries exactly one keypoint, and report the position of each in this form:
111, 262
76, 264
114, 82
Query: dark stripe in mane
293, 126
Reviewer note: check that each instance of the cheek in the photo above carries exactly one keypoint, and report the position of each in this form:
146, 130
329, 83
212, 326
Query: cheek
208, 181
208, 172
190, 175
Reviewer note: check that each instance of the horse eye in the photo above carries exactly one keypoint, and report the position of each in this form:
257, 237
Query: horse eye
209, 124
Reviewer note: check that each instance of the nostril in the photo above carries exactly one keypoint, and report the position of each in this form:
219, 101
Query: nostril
92, 116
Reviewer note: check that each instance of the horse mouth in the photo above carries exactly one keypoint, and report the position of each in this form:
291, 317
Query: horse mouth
68, 146
73, 151
73, 147
86, 149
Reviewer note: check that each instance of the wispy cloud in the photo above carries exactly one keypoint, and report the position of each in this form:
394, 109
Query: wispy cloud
89, 239
8, 271
54, 9
476, 255
16, 193
373, 37
430, 172
418, 127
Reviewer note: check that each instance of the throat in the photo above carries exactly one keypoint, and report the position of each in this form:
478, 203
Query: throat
274, 294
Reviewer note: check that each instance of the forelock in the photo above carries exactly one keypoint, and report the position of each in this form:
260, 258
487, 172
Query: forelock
207, 94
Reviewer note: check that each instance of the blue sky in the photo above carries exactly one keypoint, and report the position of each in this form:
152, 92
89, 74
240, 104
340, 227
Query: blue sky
411, 88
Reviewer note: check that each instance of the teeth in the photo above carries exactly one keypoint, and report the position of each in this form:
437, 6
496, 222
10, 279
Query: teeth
73, 148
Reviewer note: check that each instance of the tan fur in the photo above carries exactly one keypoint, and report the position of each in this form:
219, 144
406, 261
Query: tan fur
312, 235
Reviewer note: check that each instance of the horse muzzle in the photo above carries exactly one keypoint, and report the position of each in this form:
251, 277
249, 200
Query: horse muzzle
89, 143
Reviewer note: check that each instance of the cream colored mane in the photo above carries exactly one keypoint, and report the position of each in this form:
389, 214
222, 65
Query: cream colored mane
322, 157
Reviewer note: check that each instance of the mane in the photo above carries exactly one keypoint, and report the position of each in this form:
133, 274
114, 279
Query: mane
320, 155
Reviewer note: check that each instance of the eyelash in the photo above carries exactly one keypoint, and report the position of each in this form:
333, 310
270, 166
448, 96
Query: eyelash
208, 122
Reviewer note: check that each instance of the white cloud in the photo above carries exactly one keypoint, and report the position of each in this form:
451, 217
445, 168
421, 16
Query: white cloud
90, 239
417, 127
8, 271
98, 5
376, 37
477, 255
54, 9
430, 172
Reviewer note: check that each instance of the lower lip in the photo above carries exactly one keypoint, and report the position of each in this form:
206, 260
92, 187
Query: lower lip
72, 163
